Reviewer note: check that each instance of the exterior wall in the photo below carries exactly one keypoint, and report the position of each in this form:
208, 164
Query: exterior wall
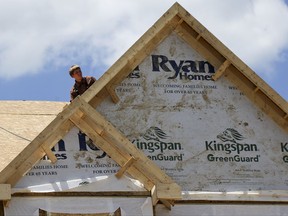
206, 135
28, 206
222, 210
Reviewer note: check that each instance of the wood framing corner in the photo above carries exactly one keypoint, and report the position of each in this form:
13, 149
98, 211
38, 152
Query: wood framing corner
5, 192
132, 160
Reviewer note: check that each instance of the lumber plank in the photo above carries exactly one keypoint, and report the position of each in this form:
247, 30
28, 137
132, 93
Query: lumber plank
208, 52
117, 156
123, 169
221, 70
50, 155
259, 98
113, 94
141, 53
123, 143
135, 54
5, 192
154, 196
228, 54
18, 171
168, 191
166, 204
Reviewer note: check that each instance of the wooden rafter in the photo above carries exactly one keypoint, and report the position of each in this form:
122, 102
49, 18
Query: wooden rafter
221, 70
120, 149
57, 129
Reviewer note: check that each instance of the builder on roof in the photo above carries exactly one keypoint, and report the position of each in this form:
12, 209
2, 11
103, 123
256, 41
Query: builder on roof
81, 83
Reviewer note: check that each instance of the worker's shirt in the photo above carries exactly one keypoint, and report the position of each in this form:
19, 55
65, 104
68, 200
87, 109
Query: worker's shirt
80, 87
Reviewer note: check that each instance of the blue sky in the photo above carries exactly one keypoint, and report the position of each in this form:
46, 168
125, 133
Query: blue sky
40, 41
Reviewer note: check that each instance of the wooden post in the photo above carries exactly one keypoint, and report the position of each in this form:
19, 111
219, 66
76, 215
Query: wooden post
125, 167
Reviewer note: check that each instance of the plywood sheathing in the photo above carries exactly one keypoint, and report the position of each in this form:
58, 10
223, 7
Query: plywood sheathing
21, 122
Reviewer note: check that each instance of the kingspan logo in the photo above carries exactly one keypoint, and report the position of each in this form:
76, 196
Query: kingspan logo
184, 69
230, 143
157, 141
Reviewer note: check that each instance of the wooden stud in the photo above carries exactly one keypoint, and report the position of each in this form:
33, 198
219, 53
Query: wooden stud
154, 196
125, 167
166, 204
113, 94
50, 155
5, 192
198, 37
221, 70
256, 89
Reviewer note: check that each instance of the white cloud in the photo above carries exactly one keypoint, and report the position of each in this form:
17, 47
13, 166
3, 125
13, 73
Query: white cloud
35, 33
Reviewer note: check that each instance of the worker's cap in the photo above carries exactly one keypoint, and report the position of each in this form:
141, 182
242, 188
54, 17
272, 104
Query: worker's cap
73, 68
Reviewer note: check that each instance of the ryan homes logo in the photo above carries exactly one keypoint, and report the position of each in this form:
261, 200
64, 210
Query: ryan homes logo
184, 69
230, 144
159, 145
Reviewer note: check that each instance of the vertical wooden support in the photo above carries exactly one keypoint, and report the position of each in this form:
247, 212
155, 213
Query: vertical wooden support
154, 196
1, 208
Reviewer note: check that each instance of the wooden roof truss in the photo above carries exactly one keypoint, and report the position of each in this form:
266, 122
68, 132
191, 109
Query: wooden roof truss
81, 112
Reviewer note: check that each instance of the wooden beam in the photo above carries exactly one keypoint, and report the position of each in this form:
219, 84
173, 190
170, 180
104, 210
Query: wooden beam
228, 54
118, 156
143, 163
168, 191
5, 192
19, 170
50, 155
260, 99
125, 167
136, 54
166, 204
154, 196
221, 70
200, 45
33, 153
256, 89
113, 94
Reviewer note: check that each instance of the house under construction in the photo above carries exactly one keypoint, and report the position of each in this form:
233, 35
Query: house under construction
179, 125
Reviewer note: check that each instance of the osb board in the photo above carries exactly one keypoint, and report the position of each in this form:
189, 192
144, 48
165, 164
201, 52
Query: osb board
21, 122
